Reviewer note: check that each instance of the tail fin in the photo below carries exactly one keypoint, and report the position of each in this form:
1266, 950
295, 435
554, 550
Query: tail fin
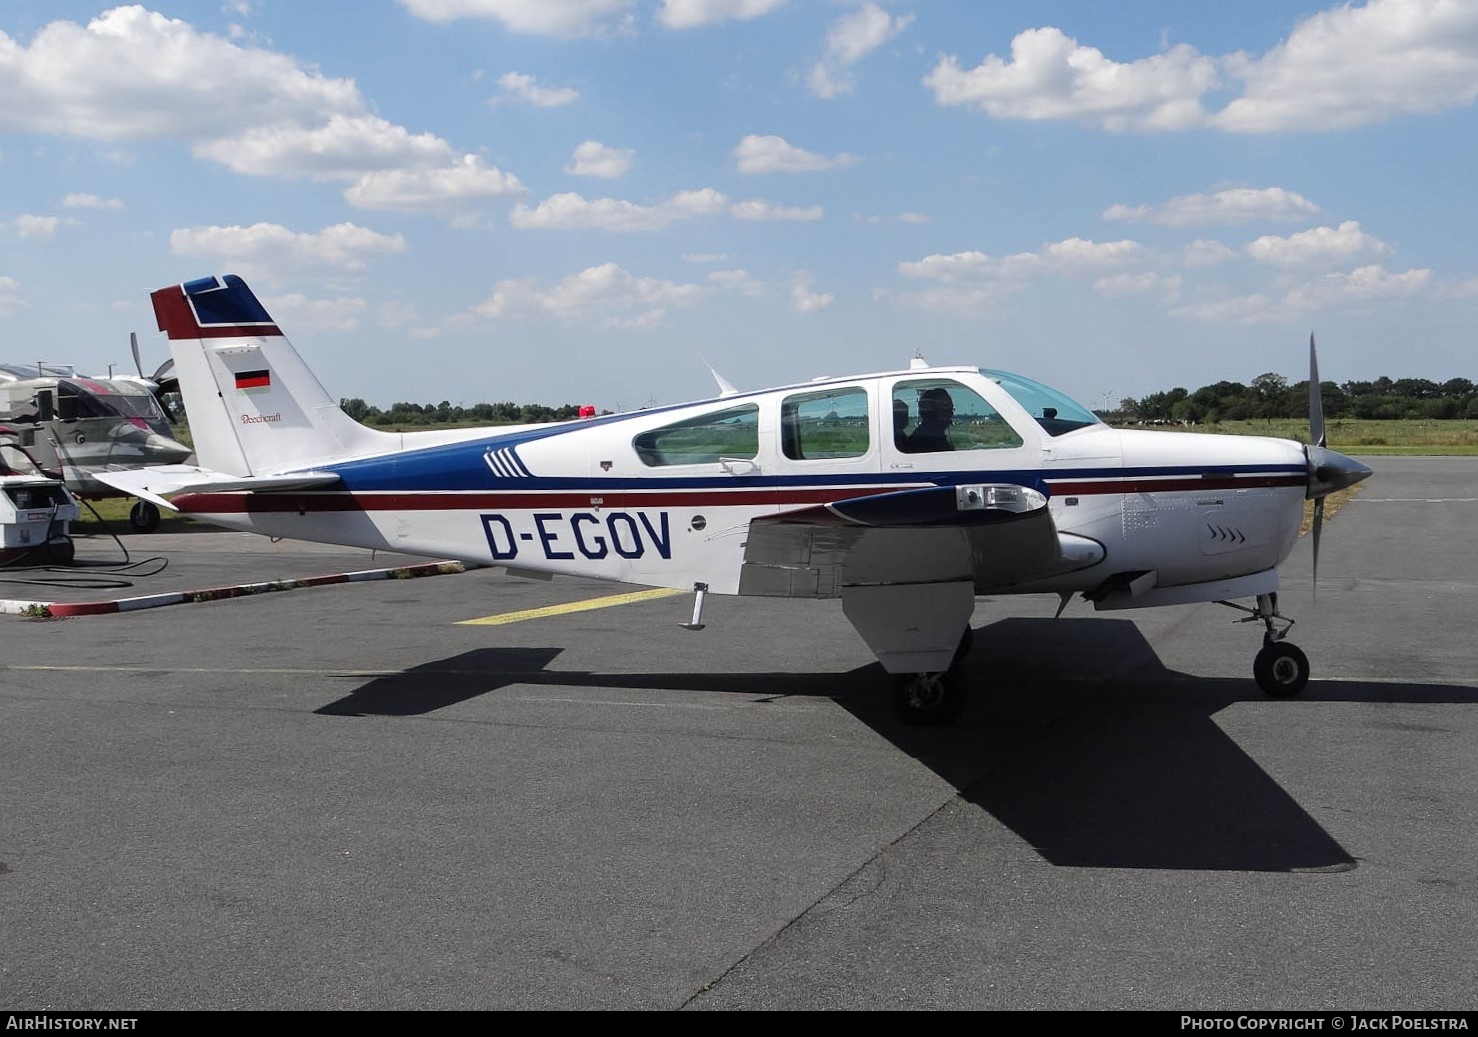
254, 407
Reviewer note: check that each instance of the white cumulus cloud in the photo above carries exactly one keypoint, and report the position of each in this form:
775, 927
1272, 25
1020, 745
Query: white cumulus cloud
525, 88
736, 280
803, 299
1363, 288
973, 267
11, 300
1051, 76
1080, 253
974, 282
766, 153
1147, 282
606, 294
1356, 65
90, 201
31, 225
299, 311
344, 147
1351, 65
1205, 252
1320, 246
690, 14
759, 210
131, 74
440, 189
573, 211
559, 18
849, 39
275, 250
592, 158
1233, 205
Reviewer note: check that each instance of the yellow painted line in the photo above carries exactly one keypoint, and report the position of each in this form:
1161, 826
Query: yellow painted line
588, 605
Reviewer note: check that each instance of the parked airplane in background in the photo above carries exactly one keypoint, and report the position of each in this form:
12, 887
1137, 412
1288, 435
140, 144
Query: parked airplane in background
70, 427
906, 493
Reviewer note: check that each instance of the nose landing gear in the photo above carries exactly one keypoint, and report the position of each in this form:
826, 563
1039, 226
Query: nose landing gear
1281, 669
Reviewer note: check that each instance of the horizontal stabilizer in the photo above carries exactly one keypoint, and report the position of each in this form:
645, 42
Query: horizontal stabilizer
153, 484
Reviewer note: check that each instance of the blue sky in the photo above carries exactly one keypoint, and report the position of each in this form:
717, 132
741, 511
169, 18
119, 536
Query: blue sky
582, 200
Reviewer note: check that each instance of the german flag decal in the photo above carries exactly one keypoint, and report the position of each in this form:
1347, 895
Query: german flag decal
253, 381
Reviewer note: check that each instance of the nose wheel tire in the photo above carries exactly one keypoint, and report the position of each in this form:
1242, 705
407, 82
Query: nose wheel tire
929, 699
1281, 669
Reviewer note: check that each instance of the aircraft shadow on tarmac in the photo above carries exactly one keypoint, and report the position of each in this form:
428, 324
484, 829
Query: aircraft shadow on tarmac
1077, 738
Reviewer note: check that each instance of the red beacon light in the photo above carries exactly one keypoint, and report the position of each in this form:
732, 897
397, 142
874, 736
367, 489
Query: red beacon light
587, 410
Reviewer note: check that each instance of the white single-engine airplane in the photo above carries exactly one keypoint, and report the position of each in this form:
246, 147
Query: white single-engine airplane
907, 493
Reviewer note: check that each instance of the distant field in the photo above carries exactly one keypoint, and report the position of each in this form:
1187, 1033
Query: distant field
1358, 435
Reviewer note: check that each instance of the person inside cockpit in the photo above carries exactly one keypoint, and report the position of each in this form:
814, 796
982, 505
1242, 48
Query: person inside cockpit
936, 415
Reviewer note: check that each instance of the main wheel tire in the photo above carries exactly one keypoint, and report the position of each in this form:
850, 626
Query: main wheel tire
1281, 669
144, 517
929, 699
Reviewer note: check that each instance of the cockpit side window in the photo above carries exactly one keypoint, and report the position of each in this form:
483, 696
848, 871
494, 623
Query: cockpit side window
825, 425
705, 439
937, 414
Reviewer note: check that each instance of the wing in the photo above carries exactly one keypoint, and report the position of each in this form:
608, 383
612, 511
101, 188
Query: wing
993, 535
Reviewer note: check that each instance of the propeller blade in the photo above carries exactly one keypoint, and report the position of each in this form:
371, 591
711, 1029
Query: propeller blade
1318, 528
1316, 398
133, 341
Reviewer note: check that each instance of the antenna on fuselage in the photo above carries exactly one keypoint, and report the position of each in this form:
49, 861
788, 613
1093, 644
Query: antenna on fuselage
725, 387
918, 363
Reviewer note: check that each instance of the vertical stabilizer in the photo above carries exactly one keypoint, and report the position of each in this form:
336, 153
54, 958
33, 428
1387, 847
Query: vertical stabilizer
254, 407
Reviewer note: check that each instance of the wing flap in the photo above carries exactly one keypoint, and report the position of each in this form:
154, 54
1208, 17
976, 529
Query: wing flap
993, 535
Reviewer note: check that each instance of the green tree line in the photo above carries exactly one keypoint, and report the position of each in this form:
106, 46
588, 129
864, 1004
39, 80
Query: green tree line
445, 413
1271, 396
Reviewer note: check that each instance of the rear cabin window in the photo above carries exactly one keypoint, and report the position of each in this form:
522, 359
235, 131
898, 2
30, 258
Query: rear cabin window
935, 414
820, 425
706, 439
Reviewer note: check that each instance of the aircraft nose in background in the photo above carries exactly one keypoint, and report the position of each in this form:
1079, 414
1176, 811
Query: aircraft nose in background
163, 450
1330, 470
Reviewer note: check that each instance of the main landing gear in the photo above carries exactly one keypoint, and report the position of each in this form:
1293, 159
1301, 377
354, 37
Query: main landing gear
1281, 669
933, 699
144, 517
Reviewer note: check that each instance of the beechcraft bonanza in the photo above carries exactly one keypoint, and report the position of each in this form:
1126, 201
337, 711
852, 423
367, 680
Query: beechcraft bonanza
907, 494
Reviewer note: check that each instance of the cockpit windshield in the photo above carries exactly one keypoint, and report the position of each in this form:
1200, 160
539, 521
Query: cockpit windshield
94, 399
1051, 409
